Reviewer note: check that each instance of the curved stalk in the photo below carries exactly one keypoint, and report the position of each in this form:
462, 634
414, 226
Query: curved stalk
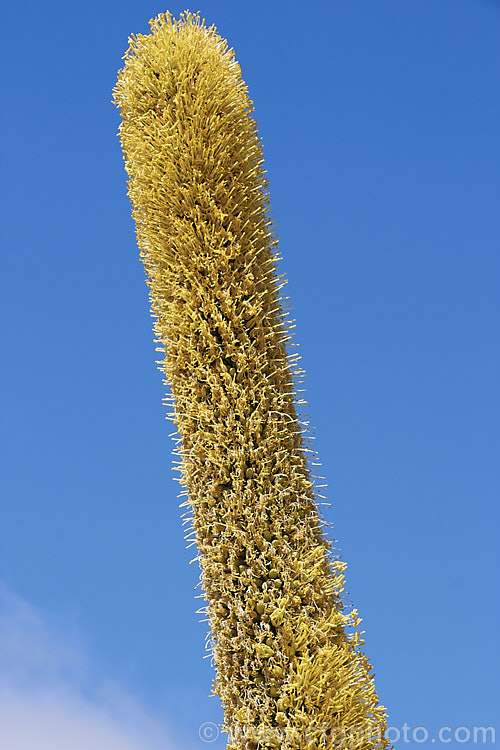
289, 668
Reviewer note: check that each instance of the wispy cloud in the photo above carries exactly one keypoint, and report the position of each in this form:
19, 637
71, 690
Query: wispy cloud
46, 699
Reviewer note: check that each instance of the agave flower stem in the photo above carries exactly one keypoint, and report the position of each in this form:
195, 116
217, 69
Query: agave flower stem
289, 668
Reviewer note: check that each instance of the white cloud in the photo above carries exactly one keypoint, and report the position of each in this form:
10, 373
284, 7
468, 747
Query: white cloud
46, 700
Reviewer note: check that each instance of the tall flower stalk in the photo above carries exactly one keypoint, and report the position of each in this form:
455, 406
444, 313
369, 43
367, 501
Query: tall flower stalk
290, 671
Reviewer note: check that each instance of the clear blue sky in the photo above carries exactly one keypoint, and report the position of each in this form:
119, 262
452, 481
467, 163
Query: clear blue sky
380, 122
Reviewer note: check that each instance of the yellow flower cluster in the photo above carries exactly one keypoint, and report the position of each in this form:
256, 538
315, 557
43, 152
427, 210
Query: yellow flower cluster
289, 669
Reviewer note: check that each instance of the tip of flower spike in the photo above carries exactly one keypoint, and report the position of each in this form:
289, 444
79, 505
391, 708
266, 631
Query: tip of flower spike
186, 18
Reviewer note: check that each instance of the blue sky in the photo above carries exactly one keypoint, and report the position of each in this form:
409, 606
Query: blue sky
380, 123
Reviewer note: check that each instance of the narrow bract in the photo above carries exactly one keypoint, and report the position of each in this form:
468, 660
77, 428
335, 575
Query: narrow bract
289, 669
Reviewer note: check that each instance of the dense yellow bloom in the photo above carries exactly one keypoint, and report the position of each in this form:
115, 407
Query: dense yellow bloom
289, 669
